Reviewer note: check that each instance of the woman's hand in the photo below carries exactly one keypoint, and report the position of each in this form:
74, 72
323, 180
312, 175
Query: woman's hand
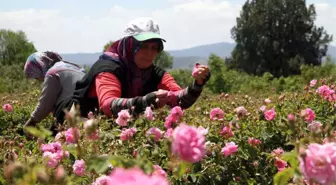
161, 98
200, 73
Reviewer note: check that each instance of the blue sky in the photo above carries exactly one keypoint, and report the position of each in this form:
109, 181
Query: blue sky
86, 25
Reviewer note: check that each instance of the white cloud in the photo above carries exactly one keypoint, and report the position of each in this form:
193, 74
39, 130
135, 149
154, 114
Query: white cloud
184, 24
326, 17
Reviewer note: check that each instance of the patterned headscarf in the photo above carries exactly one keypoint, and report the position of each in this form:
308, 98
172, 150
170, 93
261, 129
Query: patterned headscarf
124, 51
39, 63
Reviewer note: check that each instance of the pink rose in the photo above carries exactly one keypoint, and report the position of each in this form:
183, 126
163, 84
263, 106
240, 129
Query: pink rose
176, 112
262, 108
59, 136
267, 101
203, 130
313, 83
319, 163
60, 173
149, 113
216, 114
270, 114
79, 167
325, 91
135, 176
175, 115
90, 115
57, 146
253, 141
280, 164
156, 132
277, 152
102, 180
48, 148
195, 70
51, 159
94, 135
226, 132
255, 163
71, 135
308, 114
291, 118
7, 108
314, 126
123, 117
159, 171
229, 149
88, 124
51, 147
127, 134
58, 155
188, 143
241, 111
169, 121
169, 133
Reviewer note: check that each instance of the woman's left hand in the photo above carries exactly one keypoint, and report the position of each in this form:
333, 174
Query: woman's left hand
201, 73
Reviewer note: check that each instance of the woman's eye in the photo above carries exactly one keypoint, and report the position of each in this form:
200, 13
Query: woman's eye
155, 47
144, 46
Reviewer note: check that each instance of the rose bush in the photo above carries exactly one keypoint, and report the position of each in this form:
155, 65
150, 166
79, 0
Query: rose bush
219, 140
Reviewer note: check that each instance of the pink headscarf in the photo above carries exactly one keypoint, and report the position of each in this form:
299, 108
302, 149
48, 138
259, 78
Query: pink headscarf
39, 63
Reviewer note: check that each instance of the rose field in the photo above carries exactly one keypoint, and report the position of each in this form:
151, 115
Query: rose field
256, 138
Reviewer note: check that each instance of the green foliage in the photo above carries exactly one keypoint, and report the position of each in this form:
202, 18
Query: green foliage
227, 80
277, 36
283, 177
182, 76
219, 81
164, 60
249, 165
14, 47
107, 45
12, 80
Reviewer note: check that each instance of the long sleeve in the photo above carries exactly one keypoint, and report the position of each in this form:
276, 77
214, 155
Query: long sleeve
108, 89
180, 97
51, 89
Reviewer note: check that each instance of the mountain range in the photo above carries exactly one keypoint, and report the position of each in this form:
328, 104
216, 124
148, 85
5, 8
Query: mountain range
184, 58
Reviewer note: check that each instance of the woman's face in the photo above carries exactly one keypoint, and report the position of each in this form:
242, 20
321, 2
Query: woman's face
146, 54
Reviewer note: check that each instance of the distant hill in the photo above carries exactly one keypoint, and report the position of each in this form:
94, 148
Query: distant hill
222, 49
188, 62
183, 58
82, 58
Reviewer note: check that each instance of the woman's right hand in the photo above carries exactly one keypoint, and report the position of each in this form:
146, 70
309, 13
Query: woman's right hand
162, 98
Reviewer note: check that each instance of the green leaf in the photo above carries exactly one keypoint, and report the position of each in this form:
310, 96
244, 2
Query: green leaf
181, 169
193, 177
2, 180
72, 150
281, 178
291, 158
40, 133
98, 163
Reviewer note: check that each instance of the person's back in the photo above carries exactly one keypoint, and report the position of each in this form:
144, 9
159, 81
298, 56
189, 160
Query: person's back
59, 82
67, 75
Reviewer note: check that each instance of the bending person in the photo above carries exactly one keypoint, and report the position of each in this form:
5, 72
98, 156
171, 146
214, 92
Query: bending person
124, 77
59, 78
